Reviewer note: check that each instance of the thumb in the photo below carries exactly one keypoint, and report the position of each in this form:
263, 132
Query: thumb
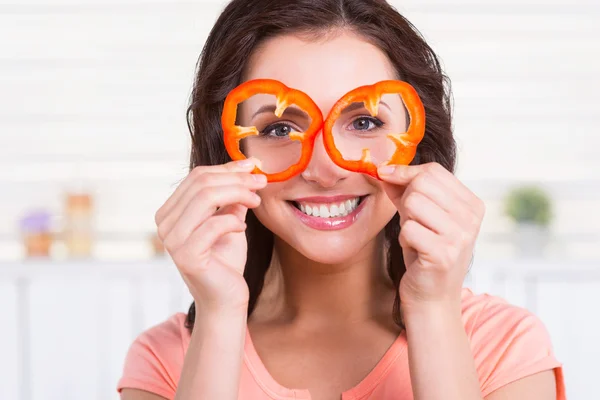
399, 174
396, 179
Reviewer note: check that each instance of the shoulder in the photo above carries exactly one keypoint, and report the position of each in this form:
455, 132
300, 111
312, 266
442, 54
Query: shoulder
494, 325
508, 342
486, 316
484, 308
155, 358
170, 334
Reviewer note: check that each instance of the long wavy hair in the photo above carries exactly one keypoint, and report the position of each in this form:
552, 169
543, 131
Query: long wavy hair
245, 24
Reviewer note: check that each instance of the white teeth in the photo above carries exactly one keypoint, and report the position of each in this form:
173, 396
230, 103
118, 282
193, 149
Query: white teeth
349, 205
315, 212
330, 210
334, 210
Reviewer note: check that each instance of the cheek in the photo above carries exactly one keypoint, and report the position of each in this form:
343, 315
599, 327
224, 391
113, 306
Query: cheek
270, 203
266, 197
387, 207
384, 206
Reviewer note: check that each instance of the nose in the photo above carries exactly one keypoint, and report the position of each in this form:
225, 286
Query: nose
321, 170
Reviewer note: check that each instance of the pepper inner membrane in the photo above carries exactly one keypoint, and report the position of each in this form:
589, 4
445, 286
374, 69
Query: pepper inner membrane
358, 135
277, 145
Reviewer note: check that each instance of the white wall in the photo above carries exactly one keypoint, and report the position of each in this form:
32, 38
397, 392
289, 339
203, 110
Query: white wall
95, 92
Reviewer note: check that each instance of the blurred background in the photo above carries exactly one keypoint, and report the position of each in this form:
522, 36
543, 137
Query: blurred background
93, 139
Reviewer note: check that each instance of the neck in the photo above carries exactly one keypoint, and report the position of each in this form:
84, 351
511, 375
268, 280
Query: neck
302, 290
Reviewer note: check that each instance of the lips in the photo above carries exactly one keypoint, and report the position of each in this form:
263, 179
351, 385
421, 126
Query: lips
328, 213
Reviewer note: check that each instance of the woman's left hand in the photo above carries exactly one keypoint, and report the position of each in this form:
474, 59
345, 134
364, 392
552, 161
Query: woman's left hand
440, 219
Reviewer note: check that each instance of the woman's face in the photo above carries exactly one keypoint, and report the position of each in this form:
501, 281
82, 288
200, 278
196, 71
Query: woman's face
352, 207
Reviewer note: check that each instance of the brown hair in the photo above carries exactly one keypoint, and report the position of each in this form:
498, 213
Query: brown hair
243, 25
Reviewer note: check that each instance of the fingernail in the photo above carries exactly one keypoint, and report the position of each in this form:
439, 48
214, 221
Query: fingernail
259, 178
245, 163
386, 170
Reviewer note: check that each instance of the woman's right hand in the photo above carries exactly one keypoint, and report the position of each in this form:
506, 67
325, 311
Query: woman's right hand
203, 230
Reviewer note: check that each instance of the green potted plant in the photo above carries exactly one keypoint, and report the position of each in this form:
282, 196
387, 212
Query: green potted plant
530, 207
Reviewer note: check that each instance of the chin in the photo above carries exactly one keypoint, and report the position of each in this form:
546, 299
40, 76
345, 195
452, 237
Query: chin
329, 248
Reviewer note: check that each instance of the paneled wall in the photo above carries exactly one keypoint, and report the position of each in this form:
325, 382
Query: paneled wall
94, 95
66, 329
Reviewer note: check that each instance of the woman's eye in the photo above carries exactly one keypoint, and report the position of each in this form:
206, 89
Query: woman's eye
365, 124
277, 130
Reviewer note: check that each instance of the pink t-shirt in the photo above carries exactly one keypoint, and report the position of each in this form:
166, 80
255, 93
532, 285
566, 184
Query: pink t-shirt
508, 343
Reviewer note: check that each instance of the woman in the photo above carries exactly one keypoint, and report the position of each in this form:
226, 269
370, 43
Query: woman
294, 307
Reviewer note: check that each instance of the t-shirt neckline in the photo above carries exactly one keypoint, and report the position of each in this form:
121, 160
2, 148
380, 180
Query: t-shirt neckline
277, 391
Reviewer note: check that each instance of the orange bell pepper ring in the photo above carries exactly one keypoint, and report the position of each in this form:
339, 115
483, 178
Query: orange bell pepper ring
406, 143
232, 133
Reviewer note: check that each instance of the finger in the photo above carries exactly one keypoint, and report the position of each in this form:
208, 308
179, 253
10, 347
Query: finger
200, 174
236, 166
396, 179
400, 174
430, 186
236, 209
463, 202
204, 237
466, 207
204, 206
418, 207
211, 179
434, 188
404, 174
448, 180
415, 236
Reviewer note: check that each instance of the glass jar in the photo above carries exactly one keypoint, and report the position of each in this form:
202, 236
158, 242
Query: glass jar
37, 234
78, 226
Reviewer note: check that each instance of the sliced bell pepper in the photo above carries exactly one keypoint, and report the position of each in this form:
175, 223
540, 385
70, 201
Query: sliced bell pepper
232, 133
406, 143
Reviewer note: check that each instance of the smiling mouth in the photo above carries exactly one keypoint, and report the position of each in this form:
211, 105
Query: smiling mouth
329, 210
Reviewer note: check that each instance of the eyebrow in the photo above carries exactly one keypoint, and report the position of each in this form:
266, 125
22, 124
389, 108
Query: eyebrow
269, 108
359, 105
299, 113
